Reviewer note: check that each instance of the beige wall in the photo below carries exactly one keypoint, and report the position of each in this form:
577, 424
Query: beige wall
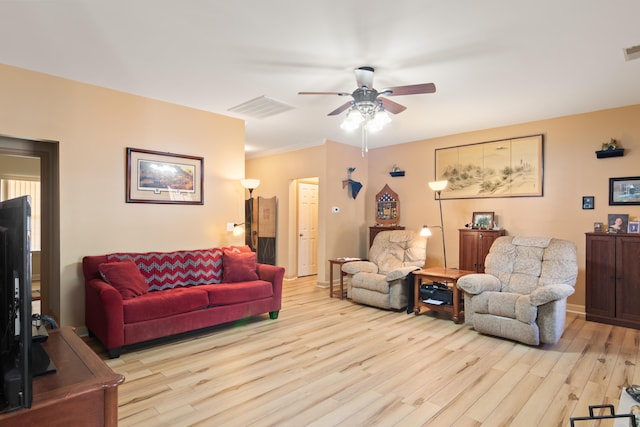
571, 170
339, 234
93, 126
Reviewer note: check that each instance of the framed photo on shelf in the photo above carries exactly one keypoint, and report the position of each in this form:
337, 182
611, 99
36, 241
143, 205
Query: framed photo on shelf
588, 202
598, 227
483, 220
617, 223
634, 227
157, 177
624, 191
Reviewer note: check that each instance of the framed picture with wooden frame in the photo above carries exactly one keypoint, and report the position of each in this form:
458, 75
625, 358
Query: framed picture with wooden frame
168, 178
503, 168
482, 220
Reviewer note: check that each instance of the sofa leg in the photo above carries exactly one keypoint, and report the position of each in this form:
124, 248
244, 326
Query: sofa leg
274, 314
114, 353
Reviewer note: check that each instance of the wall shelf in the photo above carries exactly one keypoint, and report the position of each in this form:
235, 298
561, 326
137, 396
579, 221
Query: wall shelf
602, 154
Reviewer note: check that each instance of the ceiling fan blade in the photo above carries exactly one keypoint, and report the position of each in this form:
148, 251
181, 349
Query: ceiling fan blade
391, 106
410, 89
340, 109
325, 93
364, 77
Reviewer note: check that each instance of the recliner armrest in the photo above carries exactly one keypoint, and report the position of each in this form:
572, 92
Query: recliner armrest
400, 273
548, 293
478, 283
354, 267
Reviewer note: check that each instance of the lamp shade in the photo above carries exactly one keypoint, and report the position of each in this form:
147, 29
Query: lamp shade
438, 185
426, 231
250, 184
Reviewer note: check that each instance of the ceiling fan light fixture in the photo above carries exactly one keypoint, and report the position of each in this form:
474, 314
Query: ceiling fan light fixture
380, 120
352, 121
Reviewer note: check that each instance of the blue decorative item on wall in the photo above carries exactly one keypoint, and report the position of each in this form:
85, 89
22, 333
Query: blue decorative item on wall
354, 187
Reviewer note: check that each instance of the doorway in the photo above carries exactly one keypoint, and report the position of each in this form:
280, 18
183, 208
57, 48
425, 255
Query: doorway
46, 154
307, 226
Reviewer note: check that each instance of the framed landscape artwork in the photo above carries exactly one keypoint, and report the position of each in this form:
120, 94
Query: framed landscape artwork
483, 220
504, 168
157, 177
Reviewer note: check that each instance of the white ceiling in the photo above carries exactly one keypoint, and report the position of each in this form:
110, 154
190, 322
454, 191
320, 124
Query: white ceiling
494, 62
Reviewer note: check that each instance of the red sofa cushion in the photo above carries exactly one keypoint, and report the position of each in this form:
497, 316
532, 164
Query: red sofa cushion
125, 277
156, 305
235, 293
238, 267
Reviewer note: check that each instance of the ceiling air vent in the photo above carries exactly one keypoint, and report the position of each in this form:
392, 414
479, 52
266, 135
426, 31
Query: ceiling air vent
261, 107
632, 52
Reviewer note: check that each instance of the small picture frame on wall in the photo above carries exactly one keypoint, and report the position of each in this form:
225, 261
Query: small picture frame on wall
588, 202
634, 227
617, 223
598, 227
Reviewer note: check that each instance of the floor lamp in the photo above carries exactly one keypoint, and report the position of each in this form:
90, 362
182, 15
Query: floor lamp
250, 184
437, 186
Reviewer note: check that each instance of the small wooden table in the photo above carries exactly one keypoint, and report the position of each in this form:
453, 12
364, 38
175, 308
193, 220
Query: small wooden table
439, 274
82, 392
339, 262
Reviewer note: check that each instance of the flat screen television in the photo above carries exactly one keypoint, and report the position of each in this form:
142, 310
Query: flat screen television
21, 358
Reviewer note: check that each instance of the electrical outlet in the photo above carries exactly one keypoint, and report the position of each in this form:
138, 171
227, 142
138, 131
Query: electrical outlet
230, 226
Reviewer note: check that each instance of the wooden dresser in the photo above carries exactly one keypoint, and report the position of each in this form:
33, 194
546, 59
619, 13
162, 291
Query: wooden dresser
82, 392
474, 247
613, 279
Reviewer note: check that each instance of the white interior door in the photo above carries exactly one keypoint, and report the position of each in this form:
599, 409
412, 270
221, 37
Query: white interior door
307, 229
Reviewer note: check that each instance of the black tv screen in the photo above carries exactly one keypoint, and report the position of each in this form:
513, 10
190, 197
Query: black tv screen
15, 304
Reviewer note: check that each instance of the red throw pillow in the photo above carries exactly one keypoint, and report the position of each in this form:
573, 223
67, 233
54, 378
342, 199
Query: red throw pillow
125, 277
238, 266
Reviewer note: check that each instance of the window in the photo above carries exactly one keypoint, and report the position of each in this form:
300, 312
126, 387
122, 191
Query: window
11, 188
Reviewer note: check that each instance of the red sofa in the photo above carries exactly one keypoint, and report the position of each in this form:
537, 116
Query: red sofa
136, 297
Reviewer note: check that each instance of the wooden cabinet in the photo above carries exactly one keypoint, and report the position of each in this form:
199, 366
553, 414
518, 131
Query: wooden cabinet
373, 231
82, 392
613, 279
474, 247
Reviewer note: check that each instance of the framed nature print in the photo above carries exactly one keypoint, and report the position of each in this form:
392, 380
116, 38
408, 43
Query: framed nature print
157, 177
482, 220
618, 223
588, 202
503, 168
624, 191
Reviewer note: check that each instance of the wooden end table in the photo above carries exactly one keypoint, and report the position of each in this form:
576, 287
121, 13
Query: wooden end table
439, 274
339, 262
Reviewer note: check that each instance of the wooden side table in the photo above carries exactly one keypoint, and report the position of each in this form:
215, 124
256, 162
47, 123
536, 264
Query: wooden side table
439, 274
339, 262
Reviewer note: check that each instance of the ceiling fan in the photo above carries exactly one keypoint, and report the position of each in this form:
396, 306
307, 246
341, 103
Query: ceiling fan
369, 106
368, 100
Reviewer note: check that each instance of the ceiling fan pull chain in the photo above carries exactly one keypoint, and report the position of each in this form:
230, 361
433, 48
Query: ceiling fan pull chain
365, 147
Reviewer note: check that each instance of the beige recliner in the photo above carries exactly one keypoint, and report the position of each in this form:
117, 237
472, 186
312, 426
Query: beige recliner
382, 281
523, 293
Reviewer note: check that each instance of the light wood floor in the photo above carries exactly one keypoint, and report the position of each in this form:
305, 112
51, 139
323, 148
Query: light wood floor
329, 362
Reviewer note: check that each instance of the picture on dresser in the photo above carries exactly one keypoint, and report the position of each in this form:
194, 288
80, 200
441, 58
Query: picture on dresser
634, 227
618, 223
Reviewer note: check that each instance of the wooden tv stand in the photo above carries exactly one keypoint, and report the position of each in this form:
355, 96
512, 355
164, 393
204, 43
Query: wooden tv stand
82, 392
